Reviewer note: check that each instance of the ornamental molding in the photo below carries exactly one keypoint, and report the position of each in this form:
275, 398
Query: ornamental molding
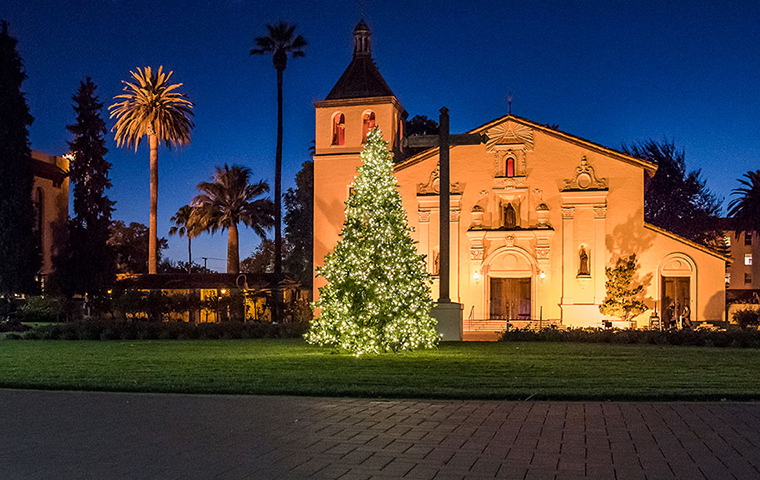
509, 133
509, 182
454, 215
568, 213
476, 253
432, 187
585, 178
424, 215
542, 252
509, 240
600, 211
500, 162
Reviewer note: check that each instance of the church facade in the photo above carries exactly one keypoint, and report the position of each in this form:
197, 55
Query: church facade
536, 213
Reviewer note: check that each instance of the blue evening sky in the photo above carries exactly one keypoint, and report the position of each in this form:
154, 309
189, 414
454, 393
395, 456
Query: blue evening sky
610, 71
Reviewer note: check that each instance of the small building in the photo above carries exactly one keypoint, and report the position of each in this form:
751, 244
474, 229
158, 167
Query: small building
743, 272
537, 214
214, 293
50, 197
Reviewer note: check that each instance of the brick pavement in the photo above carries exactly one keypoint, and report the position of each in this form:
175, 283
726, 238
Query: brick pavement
66, 435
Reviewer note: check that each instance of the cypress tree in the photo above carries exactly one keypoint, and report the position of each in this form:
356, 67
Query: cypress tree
19, 246
87, 264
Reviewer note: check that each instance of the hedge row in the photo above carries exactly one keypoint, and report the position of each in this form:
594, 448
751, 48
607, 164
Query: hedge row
113, 330
739, 338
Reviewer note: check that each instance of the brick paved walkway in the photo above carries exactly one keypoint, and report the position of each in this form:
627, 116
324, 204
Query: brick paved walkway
109, 436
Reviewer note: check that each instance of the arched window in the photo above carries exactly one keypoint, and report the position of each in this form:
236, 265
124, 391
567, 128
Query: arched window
510, 167
368, 123
339, 129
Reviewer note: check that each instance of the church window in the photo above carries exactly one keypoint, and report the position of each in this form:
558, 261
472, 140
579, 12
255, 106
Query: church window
368, 123
747, 259
728, 278
748, 238
747, 278
510, 167
510, 216
339, 129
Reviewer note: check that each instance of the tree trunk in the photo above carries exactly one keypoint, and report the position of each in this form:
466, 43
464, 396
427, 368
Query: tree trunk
278, 203
233, 257
189, 254
153, 227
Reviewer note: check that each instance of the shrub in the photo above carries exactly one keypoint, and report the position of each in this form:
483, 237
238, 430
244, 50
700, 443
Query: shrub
42, 309
747, 317
702, 338
121, 330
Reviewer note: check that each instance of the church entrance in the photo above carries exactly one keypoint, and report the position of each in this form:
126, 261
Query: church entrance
510, 298
676, 301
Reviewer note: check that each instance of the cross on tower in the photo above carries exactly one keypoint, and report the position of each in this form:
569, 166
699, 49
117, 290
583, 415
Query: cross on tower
444, 140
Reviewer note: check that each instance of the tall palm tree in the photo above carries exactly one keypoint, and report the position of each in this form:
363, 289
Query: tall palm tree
280, 41
745, 208
184, 225
151, 107
230, 199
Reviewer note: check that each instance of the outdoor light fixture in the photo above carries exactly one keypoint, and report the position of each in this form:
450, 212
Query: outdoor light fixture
223, 291
542, 275
476, 275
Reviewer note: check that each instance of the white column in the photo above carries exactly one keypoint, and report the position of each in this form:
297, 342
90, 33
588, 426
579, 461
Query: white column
568, 254
599, 255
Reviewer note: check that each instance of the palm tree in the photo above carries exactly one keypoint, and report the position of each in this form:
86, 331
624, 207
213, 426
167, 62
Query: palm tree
279, 43
228, 200
151, 107
745, 208
184, 225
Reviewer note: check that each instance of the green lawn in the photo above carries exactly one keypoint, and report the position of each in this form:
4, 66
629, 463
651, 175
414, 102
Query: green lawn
454, 370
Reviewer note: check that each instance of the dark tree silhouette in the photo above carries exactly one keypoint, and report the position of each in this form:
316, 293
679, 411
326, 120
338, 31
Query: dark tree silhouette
744, 209
184, 226
299, 226
279, 42
19, 247
226, 201
677, 200
130, 246
87, 264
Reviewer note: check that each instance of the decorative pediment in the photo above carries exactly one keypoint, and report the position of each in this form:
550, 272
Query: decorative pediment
585, 178
509, 133
432, 187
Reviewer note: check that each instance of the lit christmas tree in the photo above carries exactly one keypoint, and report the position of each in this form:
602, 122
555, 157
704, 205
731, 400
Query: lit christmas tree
378, 294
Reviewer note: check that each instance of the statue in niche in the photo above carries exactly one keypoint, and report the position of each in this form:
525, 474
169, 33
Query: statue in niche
510, 216
583, 268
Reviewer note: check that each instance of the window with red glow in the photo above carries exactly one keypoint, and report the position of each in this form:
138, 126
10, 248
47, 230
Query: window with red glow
368, 123
339, 129
510, 167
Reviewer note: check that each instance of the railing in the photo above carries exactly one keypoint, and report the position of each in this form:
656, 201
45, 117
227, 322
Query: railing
504, 324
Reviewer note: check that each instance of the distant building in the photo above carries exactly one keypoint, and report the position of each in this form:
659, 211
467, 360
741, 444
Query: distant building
537, 214
743, 273
50, 197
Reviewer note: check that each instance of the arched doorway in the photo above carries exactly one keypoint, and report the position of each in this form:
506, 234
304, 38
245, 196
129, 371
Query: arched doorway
510, 285
677, 289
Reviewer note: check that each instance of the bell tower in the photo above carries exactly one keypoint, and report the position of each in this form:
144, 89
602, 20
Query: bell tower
359, 101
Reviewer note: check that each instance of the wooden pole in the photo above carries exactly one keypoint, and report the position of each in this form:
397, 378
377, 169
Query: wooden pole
444, 183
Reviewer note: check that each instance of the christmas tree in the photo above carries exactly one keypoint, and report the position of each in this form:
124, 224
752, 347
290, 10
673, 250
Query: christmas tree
622, 297
378, 294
